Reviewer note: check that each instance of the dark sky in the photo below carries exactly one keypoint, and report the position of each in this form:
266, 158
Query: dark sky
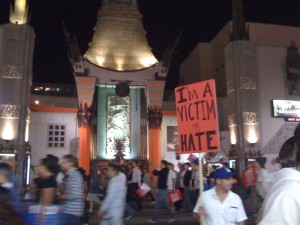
199, 20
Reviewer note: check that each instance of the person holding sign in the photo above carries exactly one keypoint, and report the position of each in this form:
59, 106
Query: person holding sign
220, 205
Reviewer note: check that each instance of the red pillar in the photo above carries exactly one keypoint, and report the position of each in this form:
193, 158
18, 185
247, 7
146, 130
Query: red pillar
154, 146
84, 134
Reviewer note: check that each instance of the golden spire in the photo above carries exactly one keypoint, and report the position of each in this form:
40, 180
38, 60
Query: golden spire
18, 13
119, 42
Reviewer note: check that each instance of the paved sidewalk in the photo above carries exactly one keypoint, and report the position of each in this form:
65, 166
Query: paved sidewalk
140, 217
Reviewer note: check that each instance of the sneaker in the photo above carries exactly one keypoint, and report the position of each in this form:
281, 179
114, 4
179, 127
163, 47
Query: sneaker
128, 217
171, 220
151, 221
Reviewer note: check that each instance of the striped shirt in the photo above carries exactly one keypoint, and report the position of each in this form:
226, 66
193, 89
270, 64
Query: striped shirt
74, 191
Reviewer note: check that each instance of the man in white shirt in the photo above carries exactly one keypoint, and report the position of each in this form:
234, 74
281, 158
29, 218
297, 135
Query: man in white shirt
282, 203
220, 205
171, 178
134, 184
261, 185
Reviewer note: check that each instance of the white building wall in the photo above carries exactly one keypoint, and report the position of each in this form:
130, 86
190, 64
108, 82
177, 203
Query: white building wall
38, 136
271, 69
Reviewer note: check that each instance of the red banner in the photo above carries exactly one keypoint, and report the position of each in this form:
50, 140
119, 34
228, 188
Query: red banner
197, 116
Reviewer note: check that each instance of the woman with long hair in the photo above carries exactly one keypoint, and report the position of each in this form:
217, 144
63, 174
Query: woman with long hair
46, 181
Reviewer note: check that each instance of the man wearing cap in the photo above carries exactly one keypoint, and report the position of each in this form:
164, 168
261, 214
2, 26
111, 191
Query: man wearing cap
220, 205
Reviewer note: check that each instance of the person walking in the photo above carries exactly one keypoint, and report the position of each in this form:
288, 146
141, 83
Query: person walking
147, 181
134, 184
220, 205
73, 193
186, 190
161, 198
47, 170
282, 203
112, 209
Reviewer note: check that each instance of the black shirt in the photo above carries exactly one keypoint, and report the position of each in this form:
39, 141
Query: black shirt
162, 178
187, 177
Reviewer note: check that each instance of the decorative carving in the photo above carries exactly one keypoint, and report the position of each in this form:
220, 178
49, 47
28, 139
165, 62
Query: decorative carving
154, 117
84, 115
230, 86
10, 111
248, 83
250, 117
12, 71
118, 124
285, 132
232, 120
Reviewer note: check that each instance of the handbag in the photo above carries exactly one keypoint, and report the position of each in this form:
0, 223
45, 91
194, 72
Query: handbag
142, 190
174, 196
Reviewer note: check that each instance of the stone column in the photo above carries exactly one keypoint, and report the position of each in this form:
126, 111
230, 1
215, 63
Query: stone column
243, 98
16, 55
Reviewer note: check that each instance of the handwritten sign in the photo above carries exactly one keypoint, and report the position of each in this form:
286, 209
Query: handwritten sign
197, 115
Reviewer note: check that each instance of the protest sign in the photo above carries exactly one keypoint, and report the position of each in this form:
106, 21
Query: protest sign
197, 116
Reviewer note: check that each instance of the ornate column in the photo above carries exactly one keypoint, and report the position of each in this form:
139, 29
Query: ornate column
16, 53
85, 89
243, 98
155, 95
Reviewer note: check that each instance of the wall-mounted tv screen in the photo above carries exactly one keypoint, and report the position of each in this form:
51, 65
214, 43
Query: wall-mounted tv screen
286, 108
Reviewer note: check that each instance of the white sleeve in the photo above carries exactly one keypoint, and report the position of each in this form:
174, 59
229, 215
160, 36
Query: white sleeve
241, 214
196, 209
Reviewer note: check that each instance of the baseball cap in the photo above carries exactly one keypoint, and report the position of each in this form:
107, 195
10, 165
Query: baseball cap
222, 173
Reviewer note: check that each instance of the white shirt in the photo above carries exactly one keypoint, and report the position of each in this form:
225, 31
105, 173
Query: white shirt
196, 179
181, 178
136, 176
228, 212
171, 177
282, 203
261, 185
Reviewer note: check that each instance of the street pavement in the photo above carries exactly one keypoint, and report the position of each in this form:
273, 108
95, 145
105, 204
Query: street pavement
140, 217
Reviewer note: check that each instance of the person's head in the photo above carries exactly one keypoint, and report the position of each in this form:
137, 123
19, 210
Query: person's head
5, 171
48, 165
145, 170
104, 171
69, 162
134, 163
186, 166
163, 164
170, 166
260, 163
11, 163
195, 166
223, 178
113, 171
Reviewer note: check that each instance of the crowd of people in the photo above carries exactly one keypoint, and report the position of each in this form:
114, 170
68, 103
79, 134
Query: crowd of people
112, 192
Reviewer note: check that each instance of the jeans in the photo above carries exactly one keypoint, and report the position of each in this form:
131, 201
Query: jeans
128, 210
162, 200
67, 219
186, 198
112, 221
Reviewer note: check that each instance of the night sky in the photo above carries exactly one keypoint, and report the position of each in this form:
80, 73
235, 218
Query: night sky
199, 20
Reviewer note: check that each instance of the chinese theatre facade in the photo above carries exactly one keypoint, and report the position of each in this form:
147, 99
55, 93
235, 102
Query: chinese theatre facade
120, 89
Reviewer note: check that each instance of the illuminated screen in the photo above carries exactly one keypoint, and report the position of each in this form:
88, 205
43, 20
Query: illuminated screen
118, 125
286, 108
